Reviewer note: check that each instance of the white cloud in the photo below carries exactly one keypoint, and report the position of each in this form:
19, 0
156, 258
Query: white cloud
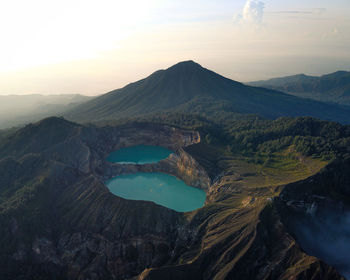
252, 13
319, 11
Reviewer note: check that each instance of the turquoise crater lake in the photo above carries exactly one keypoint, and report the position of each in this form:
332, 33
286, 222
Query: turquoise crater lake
163, 189
141, 154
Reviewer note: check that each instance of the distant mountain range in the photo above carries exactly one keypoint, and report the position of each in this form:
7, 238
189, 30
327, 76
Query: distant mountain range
188, 87
333, 87
20, 109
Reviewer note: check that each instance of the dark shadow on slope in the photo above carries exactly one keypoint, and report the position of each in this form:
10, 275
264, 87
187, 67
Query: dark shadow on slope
326, 236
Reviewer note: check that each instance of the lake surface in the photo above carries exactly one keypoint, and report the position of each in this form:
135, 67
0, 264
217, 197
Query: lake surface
163, 189
139, 154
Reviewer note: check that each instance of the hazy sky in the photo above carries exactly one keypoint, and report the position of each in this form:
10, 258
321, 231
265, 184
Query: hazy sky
93, 46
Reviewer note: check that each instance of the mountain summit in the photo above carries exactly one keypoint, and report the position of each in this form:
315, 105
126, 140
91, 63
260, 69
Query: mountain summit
189, 87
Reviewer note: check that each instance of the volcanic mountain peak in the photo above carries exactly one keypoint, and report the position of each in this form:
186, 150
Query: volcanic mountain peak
188, 72
186, 64
189, 87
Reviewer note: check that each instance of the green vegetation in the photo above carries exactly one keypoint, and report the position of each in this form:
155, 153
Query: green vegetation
36, 138
257, 152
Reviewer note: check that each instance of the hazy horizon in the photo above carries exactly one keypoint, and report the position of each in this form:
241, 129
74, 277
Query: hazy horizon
92, 47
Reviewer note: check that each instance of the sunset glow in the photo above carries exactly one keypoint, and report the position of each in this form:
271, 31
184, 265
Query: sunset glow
110, 43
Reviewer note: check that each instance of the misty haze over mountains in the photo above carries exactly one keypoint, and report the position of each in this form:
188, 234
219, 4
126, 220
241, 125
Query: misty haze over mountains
21, 109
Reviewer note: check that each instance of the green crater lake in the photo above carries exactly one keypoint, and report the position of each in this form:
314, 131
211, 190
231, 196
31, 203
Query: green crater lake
139, 154
163, 189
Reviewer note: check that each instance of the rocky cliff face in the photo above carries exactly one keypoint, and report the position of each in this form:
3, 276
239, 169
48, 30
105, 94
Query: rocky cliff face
109, 139
179, 164
184, 166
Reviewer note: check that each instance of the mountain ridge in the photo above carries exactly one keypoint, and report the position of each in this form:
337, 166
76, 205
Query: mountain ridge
189, 87
333, 87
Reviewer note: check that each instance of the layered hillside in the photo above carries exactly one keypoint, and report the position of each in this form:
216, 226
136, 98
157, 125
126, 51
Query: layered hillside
188, 87
334, 87
59, 221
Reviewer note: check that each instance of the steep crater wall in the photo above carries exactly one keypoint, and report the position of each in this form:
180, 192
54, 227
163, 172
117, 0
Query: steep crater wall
179, 163
129, 235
